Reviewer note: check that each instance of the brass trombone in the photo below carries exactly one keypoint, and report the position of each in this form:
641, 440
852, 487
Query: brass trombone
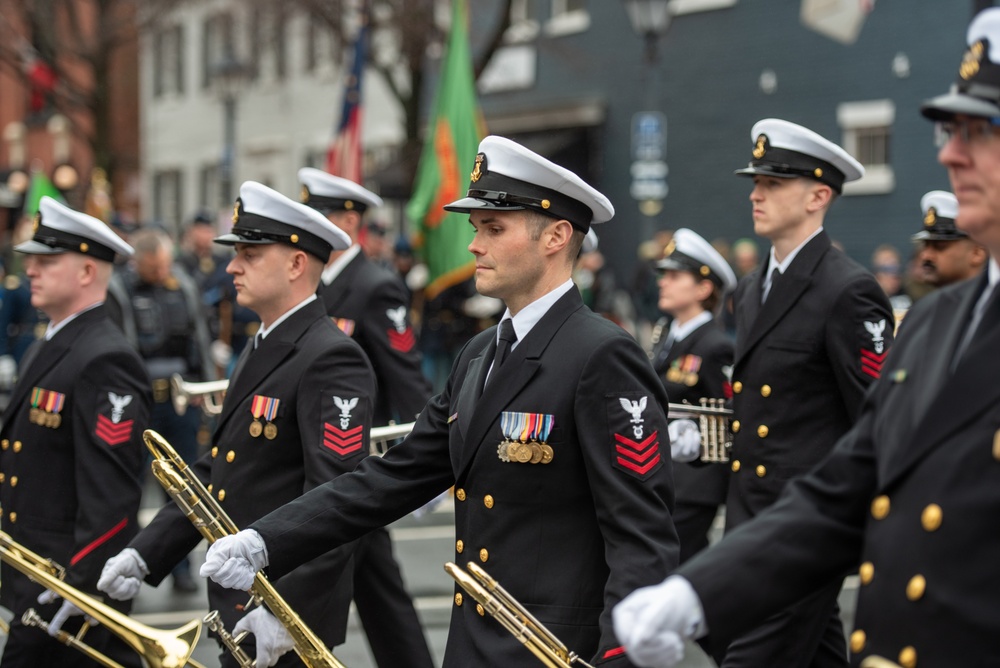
158, 648
514, 617
213, 523
211, 392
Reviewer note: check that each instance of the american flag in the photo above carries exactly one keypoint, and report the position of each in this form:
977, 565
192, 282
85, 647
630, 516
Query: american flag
344, 155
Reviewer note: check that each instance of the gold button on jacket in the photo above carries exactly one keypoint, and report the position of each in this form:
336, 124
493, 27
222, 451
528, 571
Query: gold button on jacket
880, 507
932, 517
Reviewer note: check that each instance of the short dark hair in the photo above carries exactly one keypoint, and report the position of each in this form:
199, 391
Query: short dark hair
537, 222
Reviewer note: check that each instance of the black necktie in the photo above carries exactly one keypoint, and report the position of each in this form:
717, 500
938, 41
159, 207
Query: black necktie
507, 338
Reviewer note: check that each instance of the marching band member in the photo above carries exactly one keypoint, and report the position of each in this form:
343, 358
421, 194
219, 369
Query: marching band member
71, 443
549, 427
693, 361
945, 254
912, 491
370, 304
296, 414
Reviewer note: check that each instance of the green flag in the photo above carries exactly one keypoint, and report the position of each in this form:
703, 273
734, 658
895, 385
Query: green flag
456, 126
38, 188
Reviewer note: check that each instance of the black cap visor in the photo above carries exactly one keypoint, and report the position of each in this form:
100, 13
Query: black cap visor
953, 103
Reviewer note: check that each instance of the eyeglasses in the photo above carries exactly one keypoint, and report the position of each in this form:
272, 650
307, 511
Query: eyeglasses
972, 131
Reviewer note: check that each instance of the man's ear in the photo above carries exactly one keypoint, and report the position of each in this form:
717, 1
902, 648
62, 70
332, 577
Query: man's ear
557, 236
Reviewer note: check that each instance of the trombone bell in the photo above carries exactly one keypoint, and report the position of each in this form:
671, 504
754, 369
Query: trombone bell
211, 392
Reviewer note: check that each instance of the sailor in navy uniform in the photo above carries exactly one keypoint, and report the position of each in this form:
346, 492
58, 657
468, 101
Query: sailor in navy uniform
694, 360
550, 428
945, 254
296, 414
371, 305
71, 448
813, 330
908, 498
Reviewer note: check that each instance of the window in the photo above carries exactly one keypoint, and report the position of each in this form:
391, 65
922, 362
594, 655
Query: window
867, 135
167, 206
280, 44
209, 196
168, 61
523, 21
568, 17
319, 43
217, 45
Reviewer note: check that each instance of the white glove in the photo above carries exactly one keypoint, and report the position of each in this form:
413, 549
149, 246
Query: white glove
121, 577
652, 623
685, 440
8, 369
273, 639
233, 561
221, 353
65, 611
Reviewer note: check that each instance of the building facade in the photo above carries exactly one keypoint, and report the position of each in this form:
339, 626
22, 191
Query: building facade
573, 81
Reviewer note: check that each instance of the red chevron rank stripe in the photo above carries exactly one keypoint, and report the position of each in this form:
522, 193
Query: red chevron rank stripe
343, 441
872, 363
402, 341
638, 456
111, 433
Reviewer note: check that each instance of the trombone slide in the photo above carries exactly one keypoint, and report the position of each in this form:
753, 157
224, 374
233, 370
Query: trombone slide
158, 648
514, 617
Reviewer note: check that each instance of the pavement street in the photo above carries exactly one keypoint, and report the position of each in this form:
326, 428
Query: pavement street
422, 547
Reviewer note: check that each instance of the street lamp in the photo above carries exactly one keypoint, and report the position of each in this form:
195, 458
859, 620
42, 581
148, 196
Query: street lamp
228, 76
650, 20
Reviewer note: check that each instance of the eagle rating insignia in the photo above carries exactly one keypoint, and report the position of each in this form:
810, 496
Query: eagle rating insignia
636, 448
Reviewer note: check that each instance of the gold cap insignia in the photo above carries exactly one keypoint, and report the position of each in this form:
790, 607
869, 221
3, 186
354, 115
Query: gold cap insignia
84, 247
236, 212
669, 250
294, 238
704, 270
931, 217
477, 171
970, 61
348, 204
304, 194
818, 173
36, 222
761, 147
546, 203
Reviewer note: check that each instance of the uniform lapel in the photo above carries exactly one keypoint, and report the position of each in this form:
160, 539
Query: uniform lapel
273, 350
54, 351
784, 293
946, 331
967, 392
519, 367
475, 377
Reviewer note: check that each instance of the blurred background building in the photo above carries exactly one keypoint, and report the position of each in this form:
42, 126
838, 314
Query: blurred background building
178, 102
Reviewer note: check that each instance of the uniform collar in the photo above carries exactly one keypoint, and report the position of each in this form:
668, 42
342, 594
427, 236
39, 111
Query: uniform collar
264, 331
337, 266
529, 316
679, 332
52, 330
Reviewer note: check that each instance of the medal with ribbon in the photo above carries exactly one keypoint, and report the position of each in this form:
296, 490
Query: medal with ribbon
266, 407
525, 436
45, 407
